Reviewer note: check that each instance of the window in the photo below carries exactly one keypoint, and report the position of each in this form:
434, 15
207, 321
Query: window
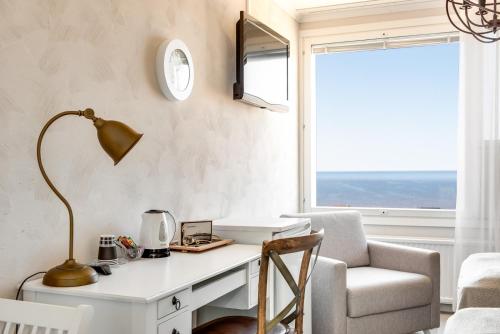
385, 123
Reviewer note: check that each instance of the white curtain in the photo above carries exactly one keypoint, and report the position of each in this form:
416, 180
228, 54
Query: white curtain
478, 175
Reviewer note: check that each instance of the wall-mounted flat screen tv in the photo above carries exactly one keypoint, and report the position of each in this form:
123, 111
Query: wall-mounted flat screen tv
261, 65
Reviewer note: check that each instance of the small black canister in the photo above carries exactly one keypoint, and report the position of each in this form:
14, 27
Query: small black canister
107, 249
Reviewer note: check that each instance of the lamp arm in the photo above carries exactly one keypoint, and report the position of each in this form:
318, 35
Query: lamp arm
89, 114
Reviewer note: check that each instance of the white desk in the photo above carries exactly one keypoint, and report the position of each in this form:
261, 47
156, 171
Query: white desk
137, 297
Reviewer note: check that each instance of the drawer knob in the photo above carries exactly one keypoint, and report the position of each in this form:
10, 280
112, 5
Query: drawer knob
177, 302
175, 331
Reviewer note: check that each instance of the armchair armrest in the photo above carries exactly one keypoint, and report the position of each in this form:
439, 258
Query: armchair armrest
410, 259
329, 294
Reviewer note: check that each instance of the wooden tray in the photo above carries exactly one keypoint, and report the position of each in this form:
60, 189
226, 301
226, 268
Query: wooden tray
198, 249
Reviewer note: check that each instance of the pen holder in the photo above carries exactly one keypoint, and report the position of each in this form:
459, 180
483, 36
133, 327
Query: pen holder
107, 250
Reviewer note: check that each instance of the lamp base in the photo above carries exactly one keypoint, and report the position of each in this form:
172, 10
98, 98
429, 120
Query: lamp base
70, 273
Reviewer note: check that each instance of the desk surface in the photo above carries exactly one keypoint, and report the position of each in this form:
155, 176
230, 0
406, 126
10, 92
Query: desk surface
148, 280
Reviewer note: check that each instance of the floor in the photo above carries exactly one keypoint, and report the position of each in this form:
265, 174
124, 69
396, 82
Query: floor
444, 318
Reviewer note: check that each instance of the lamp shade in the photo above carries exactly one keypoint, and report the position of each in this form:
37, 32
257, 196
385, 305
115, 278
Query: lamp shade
116, 138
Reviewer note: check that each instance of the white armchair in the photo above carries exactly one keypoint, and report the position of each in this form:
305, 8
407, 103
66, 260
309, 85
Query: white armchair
367, 287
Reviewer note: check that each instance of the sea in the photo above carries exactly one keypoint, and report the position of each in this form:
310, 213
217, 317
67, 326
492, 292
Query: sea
387, 189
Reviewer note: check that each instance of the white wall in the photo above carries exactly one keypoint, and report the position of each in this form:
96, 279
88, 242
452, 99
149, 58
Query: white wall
207, 157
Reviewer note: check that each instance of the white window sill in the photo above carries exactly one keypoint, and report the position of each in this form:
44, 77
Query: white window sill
412, 240
401, 217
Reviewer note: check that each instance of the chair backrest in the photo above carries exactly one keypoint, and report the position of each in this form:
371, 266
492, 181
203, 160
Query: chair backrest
344, 236
43, 318
272, 250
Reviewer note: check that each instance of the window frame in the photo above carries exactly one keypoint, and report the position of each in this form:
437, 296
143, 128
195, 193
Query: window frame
367, 33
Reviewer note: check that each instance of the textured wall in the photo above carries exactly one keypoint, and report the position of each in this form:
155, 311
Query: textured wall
206, 157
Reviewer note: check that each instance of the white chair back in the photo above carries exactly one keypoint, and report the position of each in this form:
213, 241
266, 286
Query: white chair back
36, 318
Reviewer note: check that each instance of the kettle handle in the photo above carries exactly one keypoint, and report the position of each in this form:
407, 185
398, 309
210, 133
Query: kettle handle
175, 225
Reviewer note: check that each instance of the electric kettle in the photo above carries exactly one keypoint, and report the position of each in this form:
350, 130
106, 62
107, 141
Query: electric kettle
157, 231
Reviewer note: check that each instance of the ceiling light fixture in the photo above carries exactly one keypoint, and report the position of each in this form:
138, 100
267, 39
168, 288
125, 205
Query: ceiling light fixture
479, 18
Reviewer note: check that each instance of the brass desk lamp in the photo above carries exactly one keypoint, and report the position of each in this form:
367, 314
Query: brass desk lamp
117, 139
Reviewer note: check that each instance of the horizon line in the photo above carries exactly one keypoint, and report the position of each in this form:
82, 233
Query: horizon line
386, 171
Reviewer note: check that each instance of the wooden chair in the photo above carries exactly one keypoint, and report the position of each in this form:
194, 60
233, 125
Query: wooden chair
35, 318
280, 324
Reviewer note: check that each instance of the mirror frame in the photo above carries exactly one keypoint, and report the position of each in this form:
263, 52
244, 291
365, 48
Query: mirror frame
162, 58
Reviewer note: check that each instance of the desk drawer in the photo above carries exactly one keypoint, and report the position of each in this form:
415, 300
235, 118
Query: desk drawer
218, 286
254, 291
254, 267
180, 324
169, 305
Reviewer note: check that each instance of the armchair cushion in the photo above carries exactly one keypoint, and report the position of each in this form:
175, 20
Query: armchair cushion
413, 260
345, 239
374, 290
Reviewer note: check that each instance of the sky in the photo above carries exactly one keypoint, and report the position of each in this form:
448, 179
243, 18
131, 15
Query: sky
388, 110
